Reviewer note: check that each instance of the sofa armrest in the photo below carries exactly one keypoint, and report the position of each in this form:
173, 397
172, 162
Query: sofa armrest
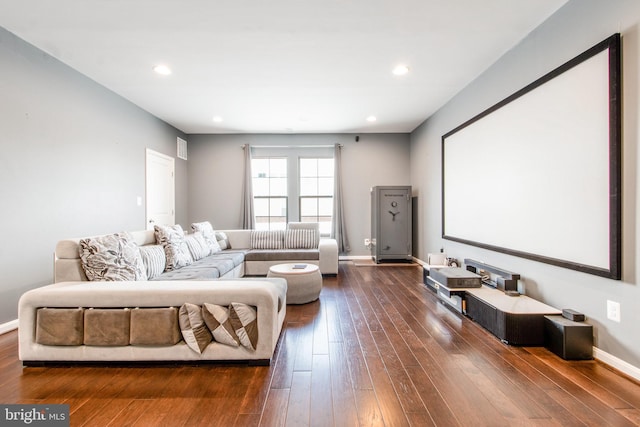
328, 249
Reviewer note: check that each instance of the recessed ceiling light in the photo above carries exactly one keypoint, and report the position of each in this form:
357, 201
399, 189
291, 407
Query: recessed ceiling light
400, 70
162, 70
217, 119
371, 119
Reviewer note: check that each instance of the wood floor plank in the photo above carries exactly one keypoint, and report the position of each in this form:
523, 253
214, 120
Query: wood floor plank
344, 404
321, 413
568, 371
283, 373
275, 412
299, 406
590, 404
388, 401
369, 413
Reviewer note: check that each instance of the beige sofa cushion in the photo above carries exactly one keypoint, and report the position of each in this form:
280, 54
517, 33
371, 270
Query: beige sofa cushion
60, 326
107, 326
154, 326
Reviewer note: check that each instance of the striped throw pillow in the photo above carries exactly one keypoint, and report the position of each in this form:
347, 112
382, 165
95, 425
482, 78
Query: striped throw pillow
300, 239
267, 239
198, 247
154, 260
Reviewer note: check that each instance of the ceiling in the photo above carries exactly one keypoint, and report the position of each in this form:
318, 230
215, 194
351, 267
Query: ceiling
280, 66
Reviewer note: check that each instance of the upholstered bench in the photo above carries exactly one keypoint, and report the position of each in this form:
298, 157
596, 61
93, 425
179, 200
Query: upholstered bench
304, 281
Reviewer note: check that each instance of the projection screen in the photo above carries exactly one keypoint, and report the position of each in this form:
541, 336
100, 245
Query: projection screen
538, 174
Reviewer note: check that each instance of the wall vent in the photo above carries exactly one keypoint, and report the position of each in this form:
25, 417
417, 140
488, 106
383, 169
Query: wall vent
182, 149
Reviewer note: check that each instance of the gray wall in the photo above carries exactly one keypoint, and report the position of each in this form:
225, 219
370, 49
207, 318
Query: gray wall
216, 169
72, 164
577, 26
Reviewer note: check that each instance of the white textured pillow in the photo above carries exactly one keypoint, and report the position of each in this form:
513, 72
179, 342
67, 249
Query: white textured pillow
171, 237
113, 257
267, 239
300, 238
209, 235
223, 240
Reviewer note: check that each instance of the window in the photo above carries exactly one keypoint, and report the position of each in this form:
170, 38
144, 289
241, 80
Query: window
292, 184
316, 192
269, 176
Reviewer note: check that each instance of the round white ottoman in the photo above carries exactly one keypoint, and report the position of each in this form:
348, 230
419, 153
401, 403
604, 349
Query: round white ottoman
303, 284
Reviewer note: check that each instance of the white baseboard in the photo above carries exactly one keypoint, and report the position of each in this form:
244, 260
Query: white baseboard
619, 364
360, 257
353, 257
9, 326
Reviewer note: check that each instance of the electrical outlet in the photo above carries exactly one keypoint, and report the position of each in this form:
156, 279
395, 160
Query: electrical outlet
613, 311
367, 242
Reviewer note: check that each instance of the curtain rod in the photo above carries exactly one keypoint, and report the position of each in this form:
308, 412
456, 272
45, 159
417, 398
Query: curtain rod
291, 146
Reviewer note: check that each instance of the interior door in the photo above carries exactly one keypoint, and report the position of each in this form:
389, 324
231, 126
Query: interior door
160, 189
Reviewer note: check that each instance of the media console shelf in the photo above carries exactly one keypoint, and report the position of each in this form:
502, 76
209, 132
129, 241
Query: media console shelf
515, 320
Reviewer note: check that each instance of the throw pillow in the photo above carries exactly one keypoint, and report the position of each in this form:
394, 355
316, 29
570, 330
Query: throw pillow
171, 237
154, 260
216, 317
267, 239
112, 257
244, 320
194, 331
198, 247
300, 239
209, 235
223, 240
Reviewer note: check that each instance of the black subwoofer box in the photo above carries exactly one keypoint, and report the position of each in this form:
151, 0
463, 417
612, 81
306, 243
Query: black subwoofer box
568, 339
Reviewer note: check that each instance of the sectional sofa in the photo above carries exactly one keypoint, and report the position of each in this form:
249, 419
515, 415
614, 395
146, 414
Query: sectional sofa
167, 302
243, 253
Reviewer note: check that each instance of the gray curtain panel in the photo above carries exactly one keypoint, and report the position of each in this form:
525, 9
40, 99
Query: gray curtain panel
248, 217
339, 229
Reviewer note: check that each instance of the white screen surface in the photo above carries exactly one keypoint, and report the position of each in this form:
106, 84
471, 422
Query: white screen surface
532, 176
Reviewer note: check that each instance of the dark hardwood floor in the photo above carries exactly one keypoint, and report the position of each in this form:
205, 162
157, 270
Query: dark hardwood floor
376, 349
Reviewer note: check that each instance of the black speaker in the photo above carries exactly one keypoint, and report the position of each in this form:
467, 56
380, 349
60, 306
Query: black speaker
568, 339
